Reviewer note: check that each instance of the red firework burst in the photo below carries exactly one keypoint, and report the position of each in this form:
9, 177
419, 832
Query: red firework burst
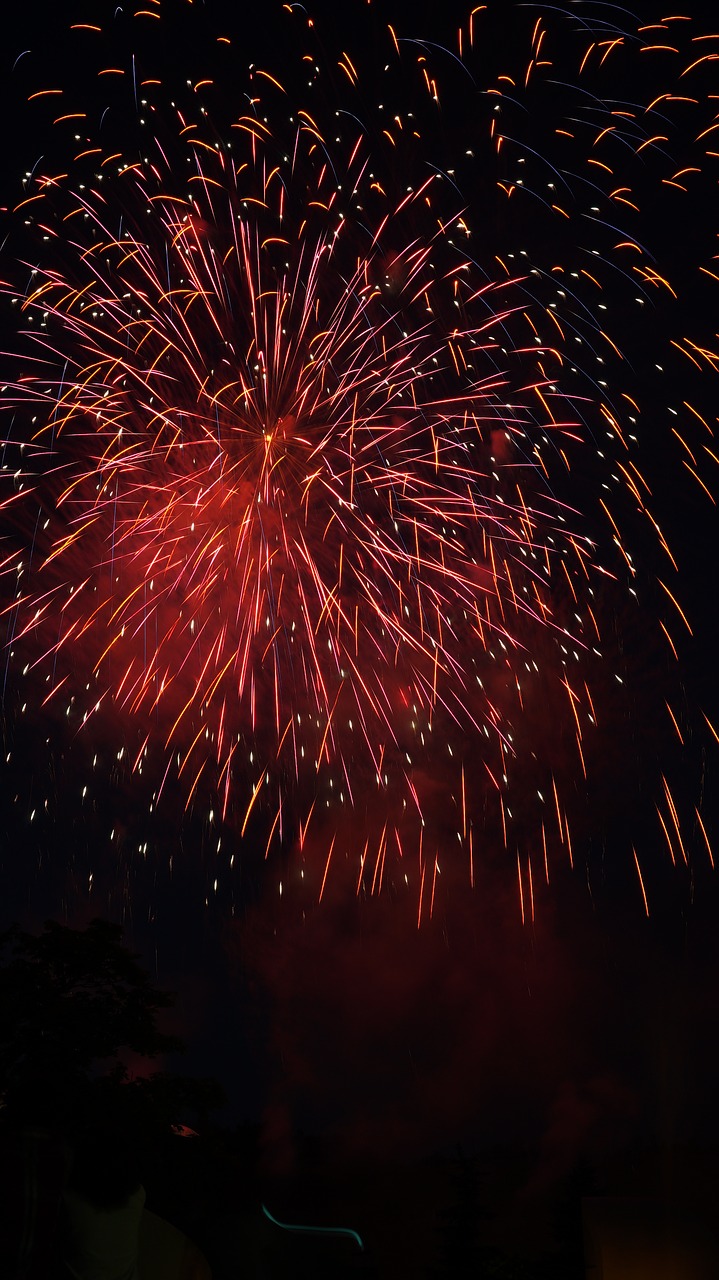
293, 504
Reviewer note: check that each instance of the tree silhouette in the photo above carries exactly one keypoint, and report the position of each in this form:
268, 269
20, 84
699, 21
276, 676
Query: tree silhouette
71, 1001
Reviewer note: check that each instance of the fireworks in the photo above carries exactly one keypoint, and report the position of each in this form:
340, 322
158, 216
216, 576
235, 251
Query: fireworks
316, 488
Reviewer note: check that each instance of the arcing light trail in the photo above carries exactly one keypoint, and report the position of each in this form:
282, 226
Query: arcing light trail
290, 472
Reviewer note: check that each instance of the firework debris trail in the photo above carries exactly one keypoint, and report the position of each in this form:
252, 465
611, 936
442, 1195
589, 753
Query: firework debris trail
315, 481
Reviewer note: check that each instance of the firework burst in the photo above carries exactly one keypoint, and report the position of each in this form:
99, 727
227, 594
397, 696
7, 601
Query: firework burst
300, 507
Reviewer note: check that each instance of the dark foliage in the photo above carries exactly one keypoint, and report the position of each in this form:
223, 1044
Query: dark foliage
72, 1002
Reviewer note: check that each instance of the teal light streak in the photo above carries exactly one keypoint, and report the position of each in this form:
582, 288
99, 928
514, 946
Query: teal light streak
316, 1231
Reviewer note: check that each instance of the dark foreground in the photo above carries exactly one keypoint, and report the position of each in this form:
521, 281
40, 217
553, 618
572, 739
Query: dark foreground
650, 1217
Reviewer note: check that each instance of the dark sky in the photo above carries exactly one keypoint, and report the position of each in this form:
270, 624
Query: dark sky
591, 1028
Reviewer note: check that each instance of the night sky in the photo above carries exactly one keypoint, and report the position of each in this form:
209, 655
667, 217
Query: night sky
582, 1033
